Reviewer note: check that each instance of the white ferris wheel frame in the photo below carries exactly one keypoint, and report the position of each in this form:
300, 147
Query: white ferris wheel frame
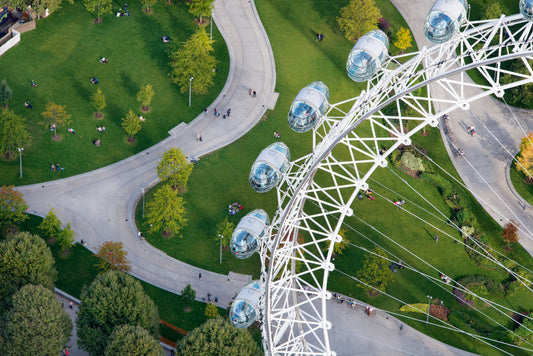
295, 273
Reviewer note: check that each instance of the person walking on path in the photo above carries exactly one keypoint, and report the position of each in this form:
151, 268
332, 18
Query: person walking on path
200, 275
228, 112
71, 305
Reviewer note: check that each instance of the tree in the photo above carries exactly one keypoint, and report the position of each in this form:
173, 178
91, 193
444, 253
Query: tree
384, 24
166, 212
113, 299
404, 39
225, 228
211, 311
131, 124
200, 8
65, 238
99, 7
132, 341
148, 3
173, 168
98, 102
13, 131
510, 233
112, 256
194, 60
51, 226
55, 115
12, 206
217, 337
339, 246
35, 325
493, 10
5, 93
357, 18
525, 157
25, 259
145, 96
188, 293
520, 95
375, 272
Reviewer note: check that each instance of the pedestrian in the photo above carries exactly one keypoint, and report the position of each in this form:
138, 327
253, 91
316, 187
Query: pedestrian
254, 93
218, 112
200, 138
224, 117
200, 275
62, 304
228, 112
67, 352
208, 296
71, 305
250, 91
436, 238
205, 110
216, 299
215, 111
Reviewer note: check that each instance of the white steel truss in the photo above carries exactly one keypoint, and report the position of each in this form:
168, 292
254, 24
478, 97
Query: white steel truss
317, 193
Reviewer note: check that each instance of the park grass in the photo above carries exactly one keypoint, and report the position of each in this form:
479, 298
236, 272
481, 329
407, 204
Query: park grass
518, 180
63, 53
222, 178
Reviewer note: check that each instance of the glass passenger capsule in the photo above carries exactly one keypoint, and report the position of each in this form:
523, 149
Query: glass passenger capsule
245, 308
269, 167
308, 107
251, 228
444, 20
367, 55
526, 9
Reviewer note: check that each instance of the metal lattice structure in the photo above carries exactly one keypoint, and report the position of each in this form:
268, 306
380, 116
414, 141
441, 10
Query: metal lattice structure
353, 140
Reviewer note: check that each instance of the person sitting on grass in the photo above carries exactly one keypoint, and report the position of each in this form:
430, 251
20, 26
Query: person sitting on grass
28, 105
97, 143
33, 84
165, 39
94, 80
103, 60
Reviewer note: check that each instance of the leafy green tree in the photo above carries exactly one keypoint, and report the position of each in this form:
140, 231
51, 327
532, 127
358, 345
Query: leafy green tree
194, 59
99, 7
404, 39
51, 226
35, 325
12, 206
225, 228
98, 102
211, 311
358, 18
131, 124
145, 96
376, 272
188, 293
521, 95
200, 8
114, 298
13, 131
25, 259
112, 256
525, 157
493, 10
339, 246
148, 3
65, 238
166, 212
217, 337
523, 334
5, 93
173, 168
132, 341
55, 115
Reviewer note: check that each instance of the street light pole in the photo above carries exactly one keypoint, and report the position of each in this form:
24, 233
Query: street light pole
143, 201
429, 306
20, 149
190, 82
221, 237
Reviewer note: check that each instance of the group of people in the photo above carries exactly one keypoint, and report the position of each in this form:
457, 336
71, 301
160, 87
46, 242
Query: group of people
471, 130
125, 13
368, 194
217, 112
234, 208
252, 92
100, 129
71, 130
399, 203
319, 36
94, 80
56, 167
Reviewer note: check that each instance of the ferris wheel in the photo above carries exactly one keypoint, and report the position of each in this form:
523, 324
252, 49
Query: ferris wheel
316, 192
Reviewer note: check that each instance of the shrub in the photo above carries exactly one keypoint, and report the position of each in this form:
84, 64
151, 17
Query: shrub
412, 162
444, 186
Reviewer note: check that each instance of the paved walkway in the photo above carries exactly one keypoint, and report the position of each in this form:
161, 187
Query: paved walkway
488, 156
100, 204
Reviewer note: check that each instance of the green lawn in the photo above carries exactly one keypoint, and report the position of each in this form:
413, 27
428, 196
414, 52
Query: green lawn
63, 53
518, 179
222, 178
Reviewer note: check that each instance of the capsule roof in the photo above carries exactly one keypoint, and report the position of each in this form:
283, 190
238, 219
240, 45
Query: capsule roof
245, 308
245, 238
269, 167
526, 9
444, 20
367, 55
308, 107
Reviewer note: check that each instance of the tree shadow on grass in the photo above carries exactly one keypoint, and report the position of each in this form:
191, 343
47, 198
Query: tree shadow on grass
128, 83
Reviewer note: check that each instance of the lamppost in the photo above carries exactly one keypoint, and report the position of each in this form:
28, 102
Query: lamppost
142, 190
221, 237
20, 149
190, 82
429, 306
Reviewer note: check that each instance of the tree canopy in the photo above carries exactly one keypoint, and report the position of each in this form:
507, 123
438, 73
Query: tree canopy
51, 225
217, 337
145, 96
13, 131
173, 168
493, 10
113, 299
211, 311
12, 206
112, 256
358, 18
99, 7
194, 60
525, 157
225, 228
188, 293
200, 8
510, 232
375, 272
132, 341
5, 92
55, 115
339, 246
65, 238
25, 259
35, 325
404, 39
166, 212
98, 102
131, 124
